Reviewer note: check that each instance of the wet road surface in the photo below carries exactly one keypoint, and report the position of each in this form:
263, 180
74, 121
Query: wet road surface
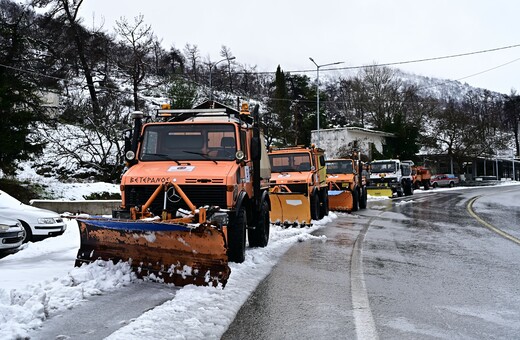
430, 271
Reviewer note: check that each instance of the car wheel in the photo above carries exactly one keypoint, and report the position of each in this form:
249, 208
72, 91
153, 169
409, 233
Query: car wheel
28, 232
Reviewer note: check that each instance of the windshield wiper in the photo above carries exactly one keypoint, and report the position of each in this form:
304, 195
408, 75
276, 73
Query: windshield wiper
205, 155
163, 156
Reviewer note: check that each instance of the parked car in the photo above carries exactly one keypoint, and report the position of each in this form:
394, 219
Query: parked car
12, 234
38, 223
444, 180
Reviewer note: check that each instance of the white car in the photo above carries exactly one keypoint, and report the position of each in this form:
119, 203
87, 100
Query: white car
12, 234
38, 223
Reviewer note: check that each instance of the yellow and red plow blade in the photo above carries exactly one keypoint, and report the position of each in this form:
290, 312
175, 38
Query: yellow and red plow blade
380, 191
167, 252
340, 200
290, 208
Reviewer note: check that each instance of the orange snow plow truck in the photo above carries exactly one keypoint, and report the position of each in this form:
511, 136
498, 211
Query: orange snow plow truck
347, 185
197, 183
298, 185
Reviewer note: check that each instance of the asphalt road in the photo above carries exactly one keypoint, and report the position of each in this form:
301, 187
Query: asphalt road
423, 267
100, 316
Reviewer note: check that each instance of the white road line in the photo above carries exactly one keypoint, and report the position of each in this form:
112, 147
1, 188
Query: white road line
363, 319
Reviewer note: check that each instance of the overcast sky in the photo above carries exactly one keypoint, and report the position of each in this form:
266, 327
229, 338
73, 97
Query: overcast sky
268, 33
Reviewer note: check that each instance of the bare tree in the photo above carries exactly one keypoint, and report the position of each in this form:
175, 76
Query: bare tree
193, 55
139, 39
68, 10
225, 52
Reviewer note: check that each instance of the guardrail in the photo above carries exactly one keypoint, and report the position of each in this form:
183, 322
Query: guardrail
91, 207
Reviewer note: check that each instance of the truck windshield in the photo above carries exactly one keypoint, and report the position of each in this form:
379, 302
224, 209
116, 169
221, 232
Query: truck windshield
290, 162
383, 167
190, 142
340, 167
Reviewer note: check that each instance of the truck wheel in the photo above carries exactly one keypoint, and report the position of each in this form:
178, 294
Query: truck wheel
324, 208
315, 207
259, 237
237, 237
452, 184
363, 198
355, 199
426, 185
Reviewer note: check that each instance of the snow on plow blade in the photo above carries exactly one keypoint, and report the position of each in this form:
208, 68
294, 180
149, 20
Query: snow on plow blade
380, 191
290, 208
340, 200
167, 252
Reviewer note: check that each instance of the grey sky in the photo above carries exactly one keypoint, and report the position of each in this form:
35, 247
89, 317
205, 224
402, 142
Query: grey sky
268, 33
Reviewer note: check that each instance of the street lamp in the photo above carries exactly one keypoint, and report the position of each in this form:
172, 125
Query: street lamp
318, 93
211, 70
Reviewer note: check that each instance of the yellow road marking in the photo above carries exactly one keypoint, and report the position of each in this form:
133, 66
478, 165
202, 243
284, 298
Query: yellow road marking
470, 210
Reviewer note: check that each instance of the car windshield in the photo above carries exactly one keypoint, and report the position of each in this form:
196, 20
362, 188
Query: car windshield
383, 167
340, 167
7, 200
290, 162
179, 142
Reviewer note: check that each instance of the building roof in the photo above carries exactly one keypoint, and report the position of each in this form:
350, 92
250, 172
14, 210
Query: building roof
359, 129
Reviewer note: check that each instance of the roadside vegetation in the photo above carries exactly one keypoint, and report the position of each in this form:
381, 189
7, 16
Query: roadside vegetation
67, 90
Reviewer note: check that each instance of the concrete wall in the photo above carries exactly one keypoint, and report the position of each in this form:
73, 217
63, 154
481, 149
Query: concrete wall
91, 207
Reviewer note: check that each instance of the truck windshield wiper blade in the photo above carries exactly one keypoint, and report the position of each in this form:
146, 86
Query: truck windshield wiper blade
205, 155
162, 156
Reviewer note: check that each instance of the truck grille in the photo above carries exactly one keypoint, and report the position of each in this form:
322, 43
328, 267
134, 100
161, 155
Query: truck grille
199, 195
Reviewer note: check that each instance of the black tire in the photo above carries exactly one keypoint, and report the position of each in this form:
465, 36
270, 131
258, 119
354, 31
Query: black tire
259, 237
452, 184
426, 185
315, 207
237, 237
363, 199
324, 207
355, 199
28, 232
435, 185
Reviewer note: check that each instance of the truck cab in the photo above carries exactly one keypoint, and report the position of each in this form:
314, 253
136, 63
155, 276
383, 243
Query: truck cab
302, 170
390, 177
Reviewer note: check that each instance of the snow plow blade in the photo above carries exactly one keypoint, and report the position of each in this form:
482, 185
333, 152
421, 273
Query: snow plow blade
165, 252
380, 192
290, 209
340, 200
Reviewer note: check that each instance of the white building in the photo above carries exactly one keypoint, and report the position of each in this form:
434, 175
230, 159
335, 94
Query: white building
336, 142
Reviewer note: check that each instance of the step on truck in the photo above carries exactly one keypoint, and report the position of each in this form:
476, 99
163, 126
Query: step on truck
346, 184
390, 178
298, 185
197, 183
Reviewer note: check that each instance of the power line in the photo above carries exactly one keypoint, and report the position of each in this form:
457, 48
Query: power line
413, 61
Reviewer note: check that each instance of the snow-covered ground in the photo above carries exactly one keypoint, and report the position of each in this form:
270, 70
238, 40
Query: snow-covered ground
40, 281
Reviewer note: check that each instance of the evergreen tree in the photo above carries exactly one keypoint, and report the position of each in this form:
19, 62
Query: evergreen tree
20, 104
279, 108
